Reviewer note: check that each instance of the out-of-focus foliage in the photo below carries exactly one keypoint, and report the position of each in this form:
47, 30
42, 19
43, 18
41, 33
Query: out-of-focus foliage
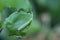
42, 2
24, 4
35, 27
52, 6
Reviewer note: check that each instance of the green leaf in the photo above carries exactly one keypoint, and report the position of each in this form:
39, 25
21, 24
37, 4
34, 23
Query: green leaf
17, 21
6, 12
